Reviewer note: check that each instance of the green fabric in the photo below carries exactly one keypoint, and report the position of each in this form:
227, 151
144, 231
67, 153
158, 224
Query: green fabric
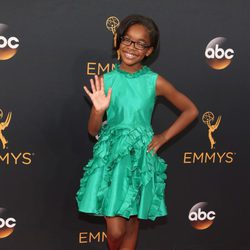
122, 178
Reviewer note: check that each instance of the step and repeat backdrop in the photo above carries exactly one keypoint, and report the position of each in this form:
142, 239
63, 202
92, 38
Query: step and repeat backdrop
50, 49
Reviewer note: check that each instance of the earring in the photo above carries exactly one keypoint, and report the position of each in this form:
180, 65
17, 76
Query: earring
115, 45
118, 54
115, 38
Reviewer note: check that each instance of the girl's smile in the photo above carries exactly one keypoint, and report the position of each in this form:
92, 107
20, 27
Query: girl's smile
130, 54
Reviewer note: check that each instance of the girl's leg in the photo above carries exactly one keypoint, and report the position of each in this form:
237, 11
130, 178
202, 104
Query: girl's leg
130, 238
116, 229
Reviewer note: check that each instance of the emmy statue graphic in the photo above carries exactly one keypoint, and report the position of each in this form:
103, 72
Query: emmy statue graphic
3, 126
207, 118
112, 23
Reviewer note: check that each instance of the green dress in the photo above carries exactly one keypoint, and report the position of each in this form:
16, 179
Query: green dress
122, 178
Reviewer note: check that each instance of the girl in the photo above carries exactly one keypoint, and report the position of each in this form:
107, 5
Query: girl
125, 179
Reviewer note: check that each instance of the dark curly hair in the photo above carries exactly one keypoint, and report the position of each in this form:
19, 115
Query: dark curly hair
147, 22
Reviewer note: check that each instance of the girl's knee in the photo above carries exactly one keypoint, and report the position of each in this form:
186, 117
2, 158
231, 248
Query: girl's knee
116, 235
116, 228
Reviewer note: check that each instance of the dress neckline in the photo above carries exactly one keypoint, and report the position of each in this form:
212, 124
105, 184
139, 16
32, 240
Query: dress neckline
137, 73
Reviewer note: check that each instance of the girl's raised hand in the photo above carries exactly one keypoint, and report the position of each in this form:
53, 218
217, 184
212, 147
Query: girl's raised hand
98, 97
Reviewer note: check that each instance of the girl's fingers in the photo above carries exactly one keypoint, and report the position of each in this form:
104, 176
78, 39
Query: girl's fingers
92, 85
109, 93
152, 146
152, 149
149, 147
102, 84
97, 83
87, 91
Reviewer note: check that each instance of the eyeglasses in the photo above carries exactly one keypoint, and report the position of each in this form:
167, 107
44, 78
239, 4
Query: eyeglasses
138, 45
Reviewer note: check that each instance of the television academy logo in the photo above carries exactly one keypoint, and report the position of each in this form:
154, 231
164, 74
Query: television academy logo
212, 124
8, 43
7, 223
7, 157
217, 54
112, 23
3, 126
200, 216
207, 118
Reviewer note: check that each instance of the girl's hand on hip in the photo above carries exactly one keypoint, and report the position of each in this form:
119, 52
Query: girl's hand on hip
99, 99
156, 142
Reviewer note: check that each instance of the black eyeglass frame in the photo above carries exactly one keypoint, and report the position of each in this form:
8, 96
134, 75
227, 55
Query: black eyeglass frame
144, 46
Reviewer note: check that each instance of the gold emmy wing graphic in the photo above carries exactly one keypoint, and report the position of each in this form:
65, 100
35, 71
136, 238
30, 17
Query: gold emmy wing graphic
3, 126
207, 118
112, 23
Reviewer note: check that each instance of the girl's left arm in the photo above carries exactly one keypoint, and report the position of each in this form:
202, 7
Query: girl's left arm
188, 112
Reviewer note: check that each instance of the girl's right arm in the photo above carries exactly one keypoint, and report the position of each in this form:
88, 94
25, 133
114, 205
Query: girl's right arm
100, 104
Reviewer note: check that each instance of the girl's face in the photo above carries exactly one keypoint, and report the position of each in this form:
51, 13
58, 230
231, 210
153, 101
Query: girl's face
130, 55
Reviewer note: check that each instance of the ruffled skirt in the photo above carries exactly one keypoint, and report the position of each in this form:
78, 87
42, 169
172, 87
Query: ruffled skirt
122, 178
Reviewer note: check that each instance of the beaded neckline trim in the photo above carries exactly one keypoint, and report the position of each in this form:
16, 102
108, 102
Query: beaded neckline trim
137, 73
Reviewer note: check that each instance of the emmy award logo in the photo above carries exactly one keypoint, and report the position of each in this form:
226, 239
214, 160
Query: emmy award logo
207, 118
112, 23
3, 126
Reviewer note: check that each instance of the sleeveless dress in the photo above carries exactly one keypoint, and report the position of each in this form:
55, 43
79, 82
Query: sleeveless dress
122, 178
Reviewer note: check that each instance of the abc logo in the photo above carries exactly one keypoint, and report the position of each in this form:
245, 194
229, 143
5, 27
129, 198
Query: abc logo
8, 43
200, 217
7, 224
219, 53
12, 42
218, 57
